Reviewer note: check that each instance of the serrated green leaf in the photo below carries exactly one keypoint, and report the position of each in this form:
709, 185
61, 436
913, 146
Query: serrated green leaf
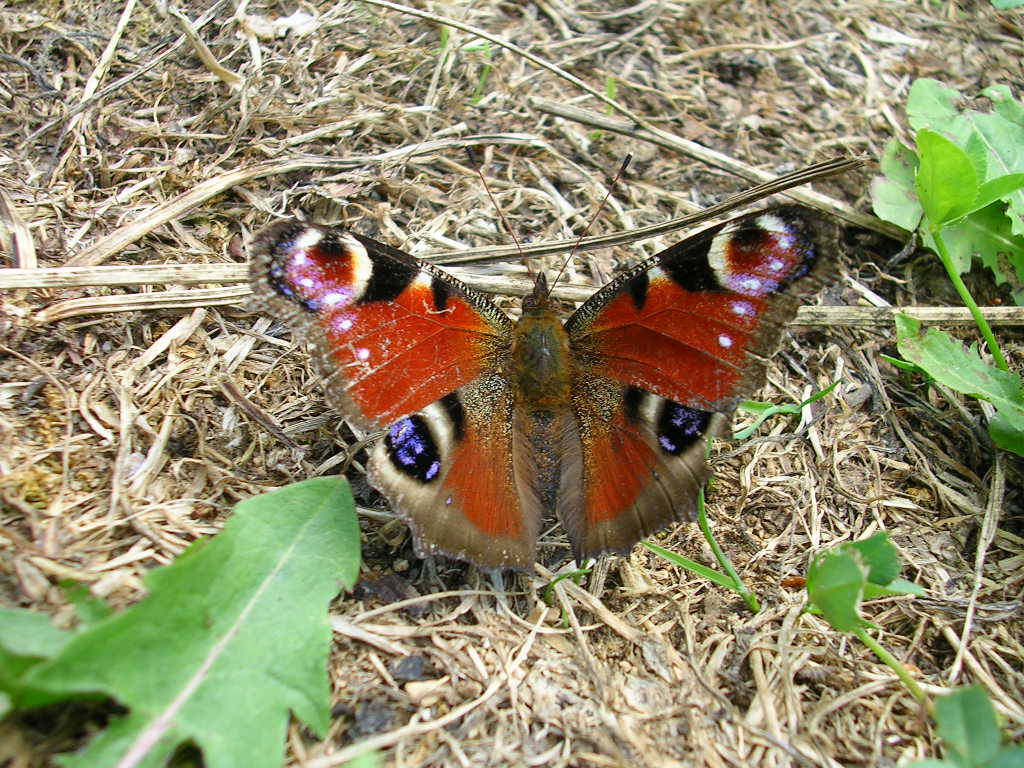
985, 234
947, 184
879, 555
1006, 433
1009, 757
835, 586
232, 637
947, 361
27, 639
968, 726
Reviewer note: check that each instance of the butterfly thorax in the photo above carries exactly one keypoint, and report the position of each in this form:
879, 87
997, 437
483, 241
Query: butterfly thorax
547, 459
540, 357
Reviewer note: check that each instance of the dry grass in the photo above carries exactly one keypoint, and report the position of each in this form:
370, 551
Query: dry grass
132, 420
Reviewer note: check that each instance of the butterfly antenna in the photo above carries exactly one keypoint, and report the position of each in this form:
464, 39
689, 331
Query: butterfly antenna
474, 162
611, 187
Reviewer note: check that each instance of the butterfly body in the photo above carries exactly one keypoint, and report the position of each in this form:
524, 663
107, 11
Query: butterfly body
491, 426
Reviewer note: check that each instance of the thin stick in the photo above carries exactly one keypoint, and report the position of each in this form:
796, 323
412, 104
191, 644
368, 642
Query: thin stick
608, 193
474, 163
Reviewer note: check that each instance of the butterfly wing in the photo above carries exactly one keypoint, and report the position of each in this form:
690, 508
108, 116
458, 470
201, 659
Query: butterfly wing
404, 346
664, 354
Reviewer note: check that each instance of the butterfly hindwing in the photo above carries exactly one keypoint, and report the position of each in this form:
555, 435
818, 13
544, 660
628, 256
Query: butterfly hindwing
664, 354
448, 470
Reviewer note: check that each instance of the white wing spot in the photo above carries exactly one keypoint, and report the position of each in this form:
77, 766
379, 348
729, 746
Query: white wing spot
776, 265
362, 354
332, 298
342, 324
307, 282
752, 284
724, 341
741, 308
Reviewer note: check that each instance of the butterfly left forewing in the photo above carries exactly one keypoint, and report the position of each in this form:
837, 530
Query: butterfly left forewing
663, 355
392, 334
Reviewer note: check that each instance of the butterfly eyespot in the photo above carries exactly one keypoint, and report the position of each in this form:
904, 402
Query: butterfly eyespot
412, 449
679, 426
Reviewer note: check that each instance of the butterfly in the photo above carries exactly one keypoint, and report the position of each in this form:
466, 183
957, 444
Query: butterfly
491, 426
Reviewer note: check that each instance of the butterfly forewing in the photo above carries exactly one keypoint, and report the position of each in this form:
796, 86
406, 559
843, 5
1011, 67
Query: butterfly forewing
392, 333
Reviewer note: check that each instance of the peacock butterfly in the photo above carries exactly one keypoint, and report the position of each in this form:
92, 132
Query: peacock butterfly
492, 425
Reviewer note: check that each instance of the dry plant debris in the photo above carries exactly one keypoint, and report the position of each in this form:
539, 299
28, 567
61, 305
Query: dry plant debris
143, 135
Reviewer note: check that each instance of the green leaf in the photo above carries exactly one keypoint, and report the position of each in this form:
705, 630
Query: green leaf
986, 233
1006, 433
879, 555
947, 361
999, 188
968, 726
947, 183
90, 609
27, 639
1009, 757
1002, 98
930, 104
233, 635
894, 587
903, 365
765, 411
369, 759
30, 634
710, 574
835, 586
894, 196
977, 153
